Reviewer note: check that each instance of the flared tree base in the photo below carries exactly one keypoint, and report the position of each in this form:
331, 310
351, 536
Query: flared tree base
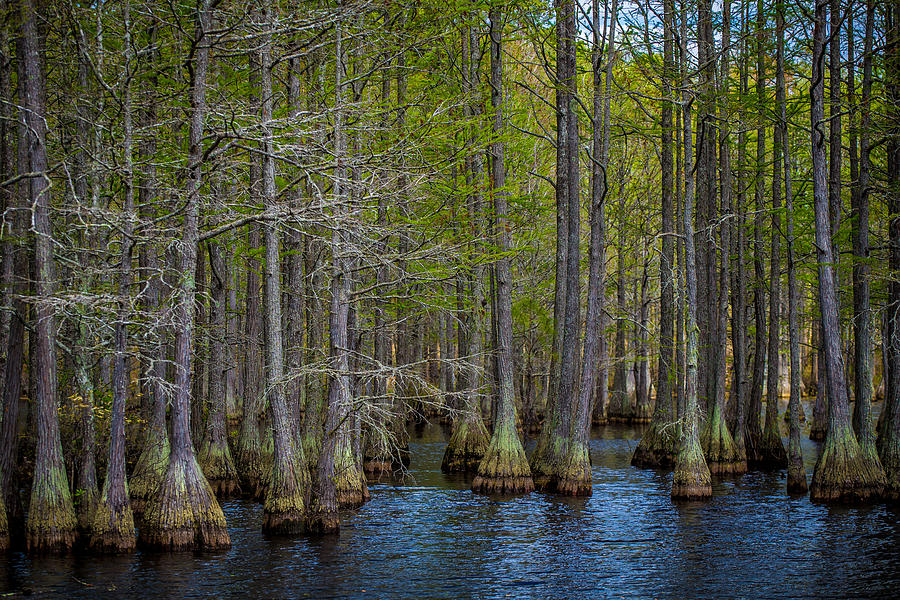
149, 471
284, 509
599, 416
643, 414
890, 462
353, 496
771, 454
575, 479
112, 531
85, 510
691, 479
796, 480
323, 523
51, 524
817, 434
184, 514
284, 523
657, 448
467, 446
225, 488
843, 474
504, 468
4, 526
722, 454
218, 467
375, 467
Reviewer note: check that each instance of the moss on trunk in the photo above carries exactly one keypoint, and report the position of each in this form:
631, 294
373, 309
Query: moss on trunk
467, 445
575, 476
86, 501
691, 478
504, 468
4, 526
112, 531
547, 458
284, 509
218, 467
351, 489
721, 452
843, 474
150, 470
248, 455
184, 513
51, 524
771, 454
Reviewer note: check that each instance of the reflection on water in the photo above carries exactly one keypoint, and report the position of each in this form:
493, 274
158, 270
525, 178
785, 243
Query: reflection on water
430, 537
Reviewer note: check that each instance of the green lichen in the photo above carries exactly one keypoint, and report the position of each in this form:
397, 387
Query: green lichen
218, 467
4, 526
184, 513
284, 509
575, 476
112, 530
467, 446
350, 484
719, 448
150, 470
843, 474
691, 479
51, 524
86, 501
658, 446
504, 468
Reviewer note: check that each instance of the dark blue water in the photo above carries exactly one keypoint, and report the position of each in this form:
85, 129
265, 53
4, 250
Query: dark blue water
430, 537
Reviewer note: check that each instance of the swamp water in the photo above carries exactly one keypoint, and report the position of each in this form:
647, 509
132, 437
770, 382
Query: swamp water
430, 537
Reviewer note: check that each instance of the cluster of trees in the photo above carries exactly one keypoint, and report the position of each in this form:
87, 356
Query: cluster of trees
245, 243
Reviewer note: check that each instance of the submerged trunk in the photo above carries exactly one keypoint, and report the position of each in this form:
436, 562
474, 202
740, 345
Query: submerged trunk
504, 468
215, 454
184, 513
691, 478
796, 480
51, 524
841, 473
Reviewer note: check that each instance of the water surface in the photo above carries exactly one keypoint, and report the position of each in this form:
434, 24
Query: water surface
430, 537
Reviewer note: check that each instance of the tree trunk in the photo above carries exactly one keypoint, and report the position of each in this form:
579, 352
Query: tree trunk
215, 454
339, 480
841, 473
288, 483
889, 438
657, 446
691, 479
504, 468
184, 513
112, 529
51, 524
469, 439
722, 454
796, 481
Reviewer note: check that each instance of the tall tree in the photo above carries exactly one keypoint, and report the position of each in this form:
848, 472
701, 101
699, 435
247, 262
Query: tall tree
284, 509
691, 478
184, 513
51, 517
722, 454
658, 445
113, 525
796, 482
841, 473
504, 468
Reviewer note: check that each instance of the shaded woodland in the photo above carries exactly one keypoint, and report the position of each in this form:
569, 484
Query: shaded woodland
247, 247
